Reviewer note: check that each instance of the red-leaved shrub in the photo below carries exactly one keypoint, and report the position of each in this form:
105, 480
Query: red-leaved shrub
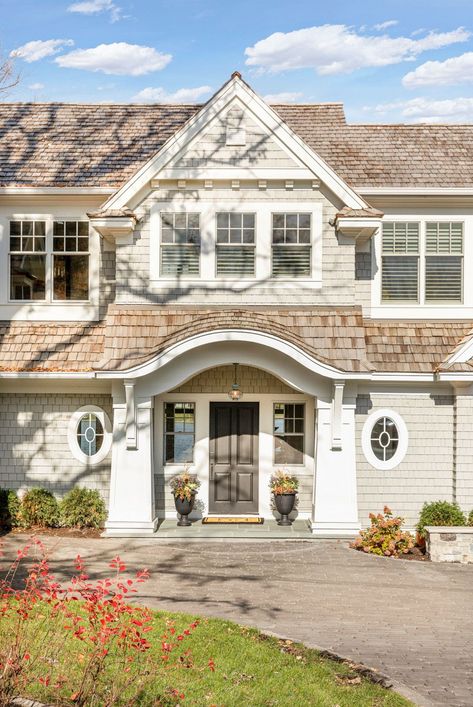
384, 536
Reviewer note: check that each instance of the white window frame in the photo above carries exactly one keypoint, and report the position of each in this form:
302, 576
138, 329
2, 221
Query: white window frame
208, 209
177, 402
49, 308
402, 446
76, 451
303, 435
423, 309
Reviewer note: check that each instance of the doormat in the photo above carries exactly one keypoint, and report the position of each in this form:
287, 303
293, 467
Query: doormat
253, 520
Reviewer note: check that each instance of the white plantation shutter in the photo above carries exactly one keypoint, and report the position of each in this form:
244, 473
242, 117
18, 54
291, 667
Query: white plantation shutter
236, 244
443, 262
291, 252
400, 262
180, 244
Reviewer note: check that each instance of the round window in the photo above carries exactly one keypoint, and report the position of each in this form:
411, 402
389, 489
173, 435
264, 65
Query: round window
384, 439
90, 434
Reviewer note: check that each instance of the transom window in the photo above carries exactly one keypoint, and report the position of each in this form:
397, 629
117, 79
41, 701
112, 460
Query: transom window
235, 244
180, 244
416, 269
179, 432
291, 238
288, 427
38, 248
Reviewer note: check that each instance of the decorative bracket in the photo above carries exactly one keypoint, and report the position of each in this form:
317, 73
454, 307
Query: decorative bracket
337, 408
130, 421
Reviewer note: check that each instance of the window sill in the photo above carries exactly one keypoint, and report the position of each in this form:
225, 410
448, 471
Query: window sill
34, 311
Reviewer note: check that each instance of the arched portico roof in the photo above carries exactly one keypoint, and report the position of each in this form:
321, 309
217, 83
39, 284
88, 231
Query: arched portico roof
334, 339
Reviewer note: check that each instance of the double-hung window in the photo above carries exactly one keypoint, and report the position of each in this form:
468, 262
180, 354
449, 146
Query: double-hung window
70, 260
401, 249
288, 427
179, 432
422, 265
291, 245
443, 262
49, 260
180, 244
236, 244
28, 260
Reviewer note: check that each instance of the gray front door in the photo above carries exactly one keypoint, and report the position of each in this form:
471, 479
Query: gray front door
234, 431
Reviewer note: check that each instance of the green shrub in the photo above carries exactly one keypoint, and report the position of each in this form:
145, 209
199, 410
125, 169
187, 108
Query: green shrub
9, 507
39, 507
384, 536
470, 518
439, 513
82, 508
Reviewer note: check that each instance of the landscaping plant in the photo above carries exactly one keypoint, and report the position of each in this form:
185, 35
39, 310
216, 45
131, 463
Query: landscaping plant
439, 513
39, 508
107, 637
281, 483
470, 518
9, 508
184, 485
384, 536
82, 508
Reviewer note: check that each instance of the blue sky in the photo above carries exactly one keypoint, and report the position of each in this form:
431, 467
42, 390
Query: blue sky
386, 60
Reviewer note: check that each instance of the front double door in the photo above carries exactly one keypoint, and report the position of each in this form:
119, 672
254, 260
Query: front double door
234, 431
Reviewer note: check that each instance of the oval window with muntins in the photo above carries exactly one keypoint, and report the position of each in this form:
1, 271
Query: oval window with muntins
384, 439
90, 434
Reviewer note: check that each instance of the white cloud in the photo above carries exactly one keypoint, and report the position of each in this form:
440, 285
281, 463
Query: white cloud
117, 58
92, 7
36, 86
384, 25
183, 95
338, 49
283, 97
39, 49
425, 110
458, 69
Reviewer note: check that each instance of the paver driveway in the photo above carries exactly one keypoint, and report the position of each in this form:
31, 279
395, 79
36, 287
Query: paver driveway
410, 620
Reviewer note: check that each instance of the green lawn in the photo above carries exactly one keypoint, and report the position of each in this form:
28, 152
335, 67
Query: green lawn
251, 670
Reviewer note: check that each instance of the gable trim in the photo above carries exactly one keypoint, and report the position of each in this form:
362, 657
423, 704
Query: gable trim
235, 88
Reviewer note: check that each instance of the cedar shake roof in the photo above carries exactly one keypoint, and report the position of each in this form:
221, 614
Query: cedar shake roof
55, 144
133, 335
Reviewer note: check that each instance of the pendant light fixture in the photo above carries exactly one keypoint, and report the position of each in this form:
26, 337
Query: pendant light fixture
235, 393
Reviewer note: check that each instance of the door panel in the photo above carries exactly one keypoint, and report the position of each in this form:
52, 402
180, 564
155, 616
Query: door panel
234, 429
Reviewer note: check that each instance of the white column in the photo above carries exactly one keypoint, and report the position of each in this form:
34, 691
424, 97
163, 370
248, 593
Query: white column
335, 509
132, 506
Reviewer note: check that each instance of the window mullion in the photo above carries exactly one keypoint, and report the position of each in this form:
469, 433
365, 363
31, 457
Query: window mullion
422, 259
49, 258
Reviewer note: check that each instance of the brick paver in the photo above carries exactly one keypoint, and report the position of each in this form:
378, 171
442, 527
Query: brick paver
410, 620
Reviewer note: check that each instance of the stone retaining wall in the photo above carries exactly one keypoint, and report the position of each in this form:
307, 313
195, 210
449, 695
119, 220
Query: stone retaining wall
450, 544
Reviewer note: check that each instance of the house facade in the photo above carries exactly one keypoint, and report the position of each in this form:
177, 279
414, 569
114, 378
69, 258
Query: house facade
236, 288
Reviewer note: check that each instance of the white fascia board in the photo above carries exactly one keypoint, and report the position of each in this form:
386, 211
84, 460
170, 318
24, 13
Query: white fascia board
415, 191
235, 88
234, 173
462, 354
48, 375
40, 191
460, 376
352, 224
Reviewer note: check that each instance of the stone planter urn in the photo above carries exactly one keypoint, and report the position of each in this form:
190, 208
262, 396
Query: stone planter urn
184, 507
284, 503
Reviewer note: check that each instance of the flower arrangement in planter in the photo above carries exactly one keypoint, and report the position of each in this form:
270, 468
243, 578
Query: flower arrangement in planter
384, 537
284, 488
184, 488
